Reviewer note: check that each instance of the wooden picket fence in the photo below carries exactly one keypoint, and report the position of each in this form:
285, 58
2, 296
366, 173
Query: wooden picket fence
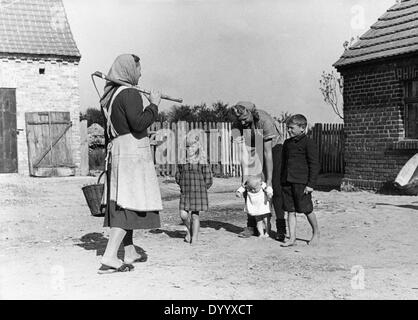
223, 152
329, 138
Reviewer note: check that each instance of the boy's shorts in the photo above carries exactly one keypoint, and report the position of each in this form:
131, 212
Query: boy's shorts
295, 200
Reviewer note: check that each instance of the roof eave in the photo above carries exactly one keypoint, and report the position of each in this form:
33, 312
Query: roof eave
340, 65
33, 56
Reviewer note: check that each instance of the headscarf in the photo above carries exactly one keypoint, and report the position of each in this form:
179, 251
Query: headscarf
124, 69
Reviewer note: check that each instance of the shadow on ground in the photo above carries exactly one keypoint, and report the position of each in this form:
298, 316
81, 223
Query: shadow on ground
96, 241
217, 225
405, 206
172, 234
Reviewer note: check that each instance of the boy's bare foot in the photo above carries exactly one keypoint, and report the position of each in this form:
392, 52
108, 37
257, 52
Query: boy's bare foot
187, 238
314, 241
290, 243
194, 242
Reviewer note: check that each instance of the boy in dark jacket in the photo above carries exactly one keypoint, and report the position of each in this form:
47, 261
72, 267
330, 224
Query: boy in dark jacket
300, 172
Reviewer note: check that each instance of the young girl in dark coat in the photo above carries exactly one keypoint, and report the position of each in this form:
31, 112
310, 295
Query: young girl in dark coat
194, 178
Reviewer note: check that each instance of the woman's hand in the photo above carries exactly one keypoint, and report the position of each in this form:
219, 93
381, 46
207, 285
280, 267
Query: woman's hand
154, 97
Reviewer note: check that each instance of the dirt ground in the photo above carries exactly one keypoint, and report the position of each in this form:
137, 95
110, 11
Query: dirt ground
50, 247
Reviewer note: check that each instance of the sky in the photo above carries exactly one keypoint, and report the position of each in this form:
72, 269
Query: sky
269, 52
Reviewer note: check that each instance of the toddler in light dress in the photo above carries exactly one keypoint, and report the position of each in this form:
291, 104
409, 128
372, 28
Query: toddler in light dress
257, 203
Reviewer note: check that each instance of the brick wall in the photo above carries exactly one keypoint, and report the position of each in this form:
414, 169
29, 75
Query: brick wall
374, 123
56, 90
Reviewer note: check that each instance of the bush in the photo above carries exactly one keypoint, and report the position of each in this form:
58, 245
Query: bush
217, 112
93, 115
97, 158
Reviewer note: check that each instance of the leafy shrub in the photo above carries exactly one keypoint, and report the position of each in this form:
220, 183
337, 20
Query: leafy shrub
97, 158
93, 115
218, 112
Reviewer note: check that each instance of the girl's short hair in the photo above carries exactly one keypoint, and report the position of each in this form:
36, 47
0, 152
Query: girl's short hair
299, 120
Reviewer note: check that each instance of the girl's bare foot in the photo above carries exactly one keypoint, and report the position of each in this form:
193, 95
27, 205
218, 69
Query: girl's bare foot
187, 238
314, 241
290, 243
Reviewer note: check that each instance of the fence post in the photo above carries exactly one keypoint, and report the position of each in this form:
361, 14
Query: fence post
181, 142
173, 151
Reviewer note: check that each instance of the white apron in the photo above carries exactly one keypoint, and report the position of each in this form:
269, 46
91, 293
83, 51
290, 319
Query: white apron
133, 181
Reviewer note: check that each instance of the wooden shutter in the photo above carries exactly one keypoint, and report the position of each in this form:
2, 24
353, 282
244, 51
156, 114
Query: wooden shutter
49, 144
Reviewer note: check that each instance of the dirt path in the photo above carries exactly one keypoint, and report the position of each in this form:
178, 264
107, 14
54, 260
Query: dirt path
50, 248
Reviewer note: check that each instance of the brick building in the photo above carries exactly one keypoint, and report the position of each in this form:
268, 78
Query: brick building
39, 72
380, 74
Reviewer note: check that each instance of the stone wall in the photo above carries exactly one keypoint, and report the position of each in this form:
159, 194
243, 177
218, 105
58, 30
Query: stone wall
56, 90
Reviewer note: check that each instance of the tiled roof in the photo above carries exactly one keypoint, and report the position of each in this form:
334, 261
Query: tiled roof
36, 27
395, 33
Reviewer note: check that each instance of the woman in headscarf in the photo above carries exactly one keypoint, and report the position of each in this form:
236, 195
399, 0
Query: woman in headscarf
251, 121
132, 196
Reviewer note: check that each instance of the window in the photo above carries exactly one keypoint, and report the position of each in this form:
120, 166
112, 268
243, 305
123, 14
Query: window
411, 109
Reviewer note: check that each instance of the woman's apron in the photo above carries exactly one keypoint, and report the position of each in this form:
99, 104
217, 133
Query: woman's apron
133, 180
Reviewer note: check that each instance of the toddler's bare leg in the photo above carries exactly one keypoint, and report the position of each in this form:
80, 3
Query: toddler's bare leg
260, 228
267, 224
315, 229
184, 215
292, 230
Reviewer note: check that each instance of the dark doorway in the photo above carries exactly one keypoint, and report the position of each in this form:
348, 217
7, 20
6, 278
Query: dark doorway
8, 132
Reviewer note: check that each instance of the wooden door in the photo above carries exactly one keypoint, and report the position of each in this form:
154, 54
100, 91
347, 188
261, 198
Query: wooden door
8, 132
49, 144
